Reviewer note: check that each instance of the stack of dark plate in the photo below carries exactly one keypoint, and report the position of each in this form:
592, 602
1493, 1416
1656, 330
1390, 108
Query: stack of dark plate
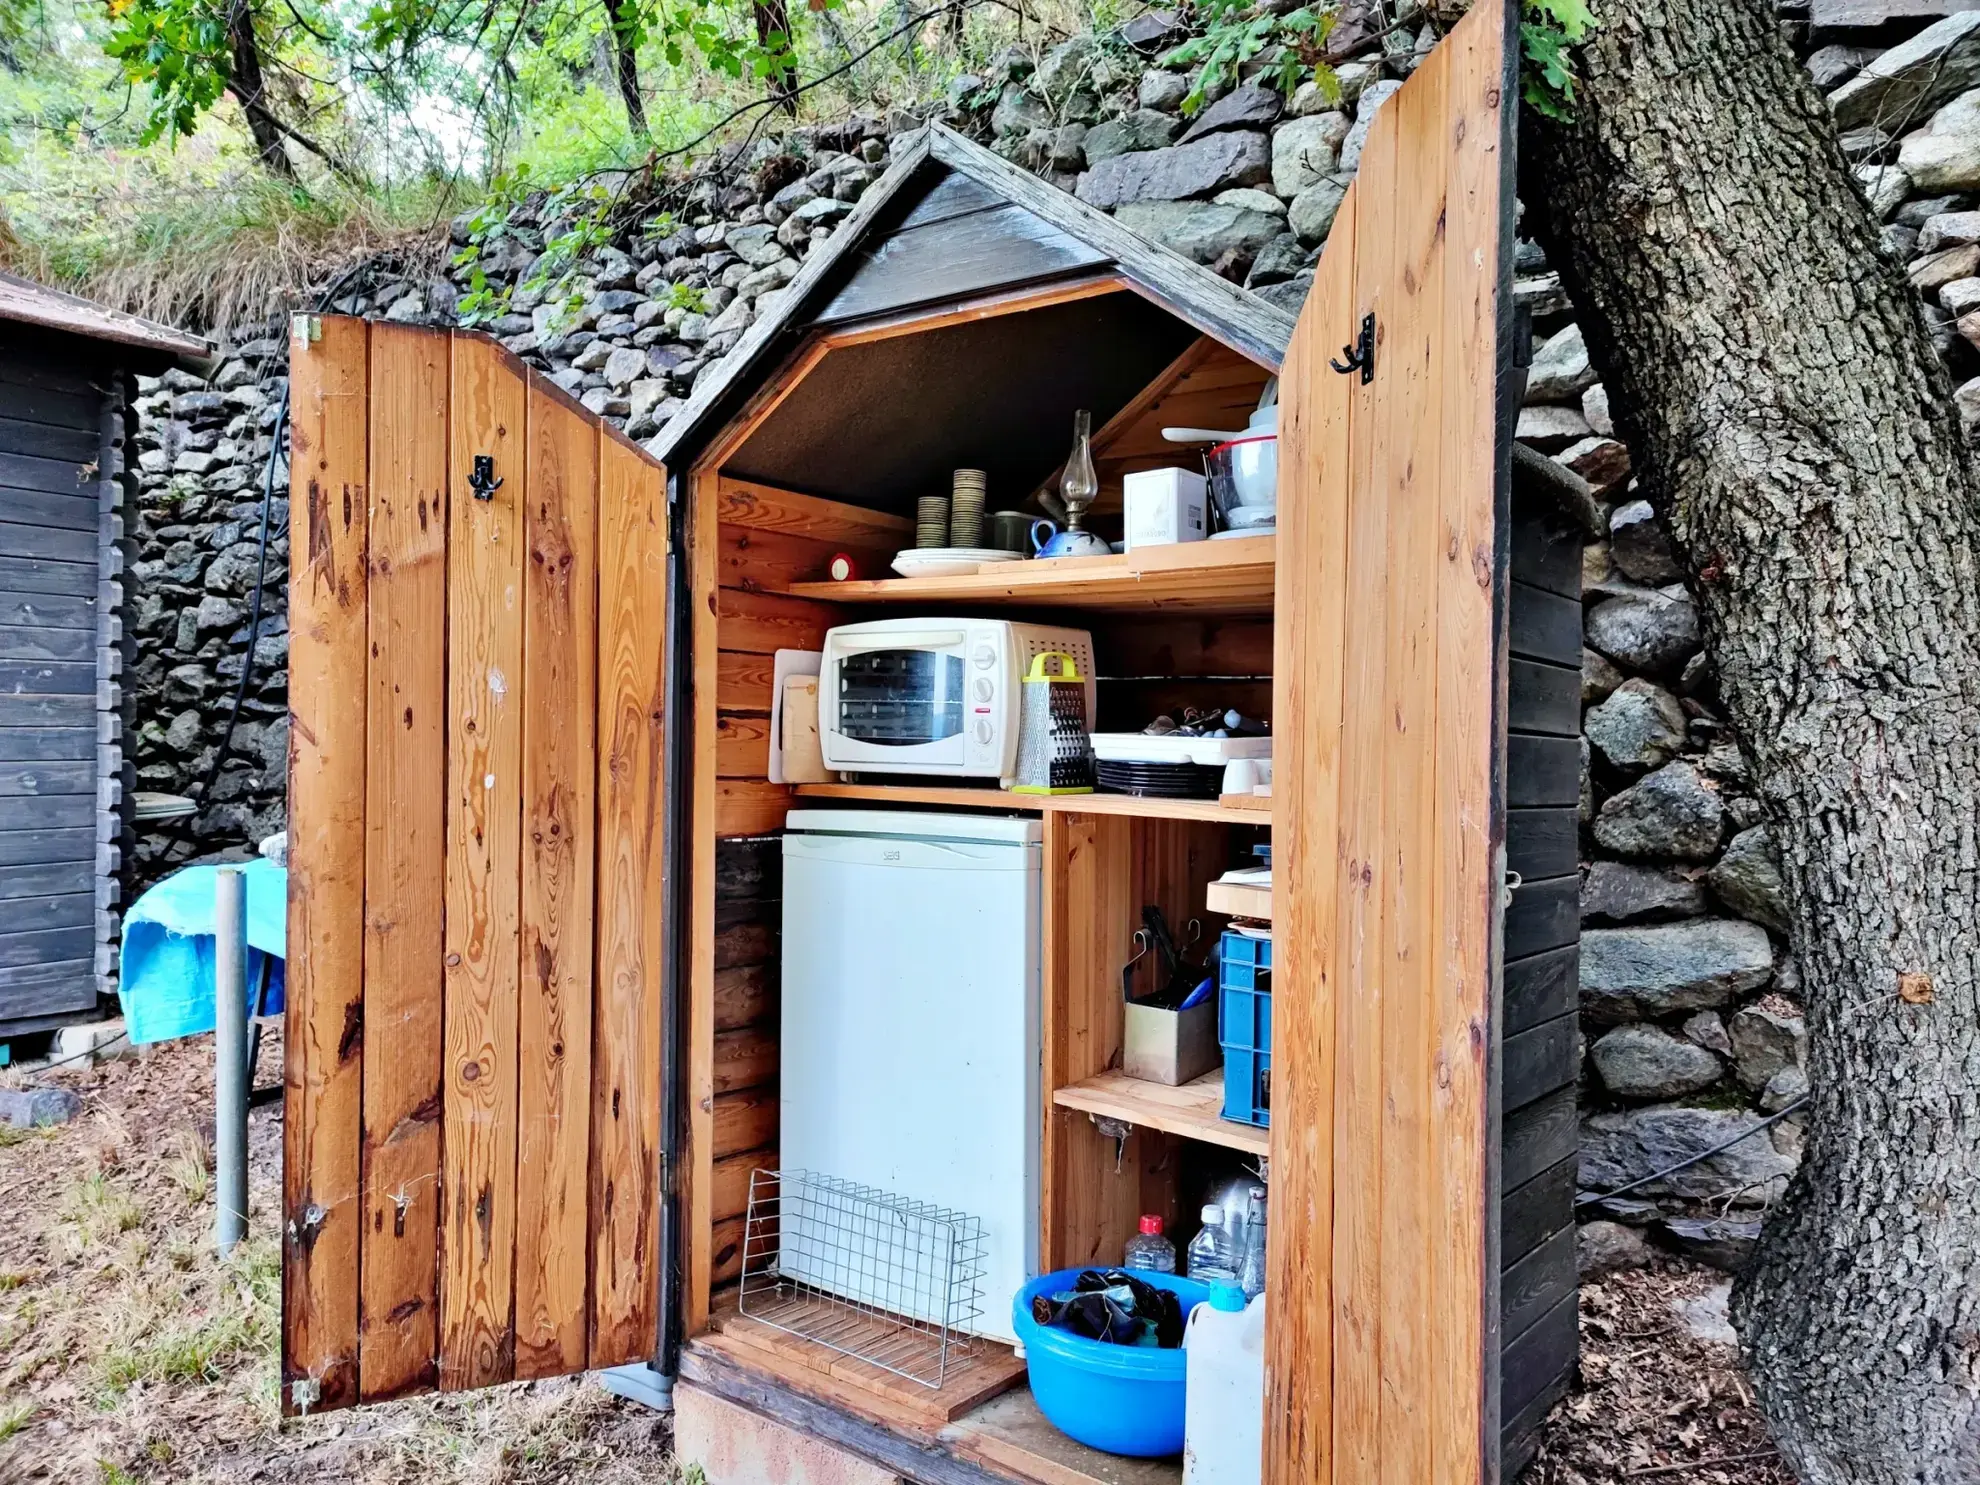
1159, 780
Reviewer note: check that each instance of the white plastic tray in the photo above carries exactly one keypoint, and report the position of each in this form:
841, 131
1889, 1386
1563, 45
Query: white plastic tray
1211, 752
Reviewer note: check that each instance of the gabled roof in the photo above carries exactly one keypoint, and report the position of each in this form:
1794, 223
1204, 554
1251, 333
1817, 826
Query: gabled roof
29, 303
1067, 236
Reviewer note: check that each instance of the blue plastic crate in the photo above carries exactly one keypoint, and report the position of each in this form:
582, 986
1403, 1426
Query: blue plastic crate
1244, 1027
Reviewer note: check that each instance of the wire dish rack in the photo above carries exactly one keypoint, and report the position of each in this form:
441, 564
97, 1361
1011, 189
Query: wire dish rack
891, 1281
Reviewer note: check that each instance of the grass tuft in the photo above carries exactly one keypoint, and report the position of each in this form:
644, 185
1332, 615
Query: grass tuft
96, 1210
14, 1417
189, 1169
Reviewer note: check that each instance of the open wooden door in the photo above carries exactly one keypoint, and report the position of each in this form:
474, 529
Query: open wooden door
1382, 1353
474, 1029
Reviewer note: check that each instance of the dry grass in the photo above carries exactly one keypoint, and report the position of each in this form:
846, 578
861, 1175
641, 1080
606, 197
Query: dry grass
229, 254
129, 1352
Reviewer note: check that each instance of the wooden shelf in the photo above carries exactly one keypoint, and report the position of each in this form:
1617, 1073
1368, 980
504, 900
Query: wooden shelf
1003, 799
1232, 577
1190, 1111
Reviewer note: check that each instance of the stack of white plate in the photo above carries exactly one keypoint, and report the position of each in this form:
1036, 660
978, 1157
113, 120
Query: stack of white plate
966, 507
931, 521
948, 561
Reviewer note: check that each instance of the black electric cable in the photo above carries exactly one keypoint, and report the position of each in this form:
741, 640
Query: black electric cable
1591, 1198
77, 1056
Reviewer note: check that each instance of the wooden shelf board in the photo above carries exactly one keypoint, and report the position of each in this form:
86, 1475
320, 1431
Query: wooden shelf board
1189, 1111
1011, 1436
1225, 576
1003, 799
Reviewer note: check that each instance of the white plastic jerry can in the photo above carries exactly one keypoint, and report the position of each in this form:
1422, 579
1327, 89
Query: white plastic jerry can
1224, 1399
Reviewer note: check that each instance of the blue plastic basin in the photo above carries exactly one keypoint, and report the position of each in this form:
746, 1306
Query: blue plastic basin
1121, 1399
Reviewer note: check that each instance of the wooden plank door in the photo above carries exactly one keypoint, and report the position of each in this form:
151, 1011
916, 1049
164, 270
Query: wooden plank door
471, 1161
1381, 1359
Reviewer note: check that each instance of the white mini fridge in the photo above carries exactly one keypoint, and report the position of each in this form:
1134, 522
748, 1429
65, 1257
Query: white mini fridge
910, 1052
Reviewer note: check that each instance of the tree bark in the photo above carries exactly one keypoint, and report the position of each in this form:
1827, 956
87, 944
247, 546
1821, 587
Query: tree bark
773, 18
245, 80
623, 18
1789, 420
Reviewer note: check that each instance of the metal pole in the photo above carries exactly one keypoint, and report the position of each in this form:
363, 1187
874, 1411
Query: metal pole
230, 1066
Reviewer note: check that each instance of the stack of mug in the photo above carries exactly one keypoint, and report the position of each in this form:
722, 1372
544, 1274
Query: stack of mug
966, 508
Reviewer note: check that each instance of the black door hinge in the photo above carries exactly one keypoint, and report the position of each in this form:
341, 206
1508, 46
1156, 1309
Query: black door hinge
1360, 355
482, 480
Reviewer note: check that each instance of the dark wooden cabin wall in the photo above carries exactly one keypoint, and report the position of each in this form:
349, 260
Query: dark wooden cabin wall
748, 909
64, 426
1538, 1054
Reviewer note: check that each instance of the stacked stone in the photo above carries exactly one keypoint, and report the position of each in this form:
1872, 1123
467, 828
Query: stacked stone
1248, 185
655, 312
1908, 116
201, 450
1691, 1031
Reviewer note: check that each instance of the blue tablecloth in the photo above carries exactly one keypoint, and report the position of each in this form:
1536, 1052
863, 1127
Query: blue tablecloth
166, 979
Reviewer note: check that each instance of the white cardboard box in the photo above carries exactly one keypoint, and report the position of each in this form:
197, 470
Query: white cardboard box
1165, 506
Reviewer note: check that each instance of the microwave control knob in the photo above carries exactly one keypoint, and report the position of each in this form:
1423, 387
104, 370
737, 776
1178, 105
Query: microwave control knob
983, 733
986, 657
983, 689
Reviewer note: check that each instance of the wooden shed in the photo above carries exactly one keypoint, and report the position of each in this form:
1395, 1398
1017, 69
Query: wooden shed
66, 383
534, 834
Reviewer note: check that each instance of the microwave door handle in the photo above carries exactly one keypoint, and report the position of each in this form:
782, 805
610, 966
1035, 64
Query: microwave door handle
947, 639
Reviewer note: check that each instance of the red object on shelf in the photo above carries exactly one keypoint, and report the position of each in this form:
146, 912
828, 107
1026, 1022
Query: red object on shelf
843, 568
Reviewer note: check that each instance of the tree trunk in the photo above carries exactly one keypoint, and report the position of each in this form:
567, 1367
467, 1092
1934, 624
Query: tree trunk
1791, 423
623, 16
773, 19
247, 86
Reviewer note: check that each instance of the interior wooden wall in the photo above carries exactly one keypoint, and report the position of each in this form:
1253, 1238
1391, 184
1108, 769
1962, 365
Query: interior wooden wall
472, 1125
1153, 665
1381, 1359
765, 540
1207, 386
1101, 870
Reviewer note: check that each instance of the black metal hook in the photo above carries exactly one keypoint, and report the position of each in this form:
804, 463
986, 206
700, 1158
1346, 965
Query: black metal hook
1360, 355
482, 480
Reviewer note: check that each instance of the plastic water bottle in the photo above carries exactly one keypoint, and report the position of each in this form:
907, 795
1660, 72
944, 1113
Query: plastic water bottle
1148, 1249
1211, 1256
1224, 1390
1251, 1266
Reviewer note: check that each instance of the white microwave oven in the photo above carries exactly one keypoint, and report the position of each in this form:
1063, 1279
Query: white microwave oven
934, 696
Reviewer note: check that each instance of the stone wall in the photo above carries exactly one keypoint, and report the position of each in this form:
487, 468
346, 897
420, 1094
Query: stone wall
202, 446
1692, 1028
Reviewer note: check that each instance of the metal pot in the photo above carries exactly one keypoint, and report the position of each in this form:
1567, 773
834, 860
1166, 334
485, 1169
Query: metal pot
1243, 470
1244, 481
